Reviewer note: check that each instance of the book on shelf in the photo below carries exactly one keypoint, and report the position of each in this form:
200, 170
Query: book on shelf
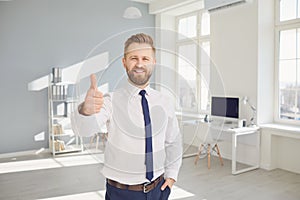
57, 129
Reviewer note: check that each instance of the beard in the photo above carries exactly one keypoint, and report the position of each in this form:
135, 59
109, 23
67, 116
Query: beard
139, 79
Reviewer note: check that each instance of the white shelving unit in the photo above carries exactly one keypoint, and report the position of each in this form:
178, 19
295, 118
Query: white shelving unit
62, 99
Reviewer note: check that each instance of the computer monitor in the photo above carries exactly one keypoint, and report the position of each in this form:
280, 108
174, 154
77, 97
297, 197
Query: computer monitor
225, 107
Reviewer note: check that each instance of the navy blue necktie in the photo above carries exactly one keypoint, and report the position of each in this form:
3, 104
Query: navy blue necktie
148, 141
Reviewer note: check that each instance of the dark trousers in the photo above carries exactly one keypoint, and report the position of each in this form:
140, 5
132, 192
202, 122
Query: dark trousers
113, 193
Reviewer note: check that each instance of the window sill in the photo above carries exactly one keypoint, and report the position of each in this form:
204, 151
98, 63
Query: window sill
282, 130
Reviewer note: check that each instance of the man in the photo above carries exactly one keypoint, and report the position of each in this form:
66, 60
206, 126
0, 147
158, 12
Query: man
143, 151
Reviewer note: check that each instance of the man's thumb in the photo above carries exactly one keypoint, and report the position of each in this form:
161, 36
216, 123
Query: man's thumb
93, 82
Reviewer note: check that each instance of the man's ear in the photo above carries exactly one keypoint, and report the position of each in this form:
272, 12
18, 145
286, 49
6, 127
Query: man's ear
154, 63
123, 61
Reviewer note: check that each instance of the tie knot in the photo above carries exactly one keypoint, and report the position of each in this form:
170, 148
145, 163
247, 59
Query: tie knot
142, 93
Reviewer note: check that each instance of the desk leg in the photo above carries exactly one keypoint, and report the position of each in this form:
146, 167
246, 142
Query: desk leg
234, 152
233, 160
258, 148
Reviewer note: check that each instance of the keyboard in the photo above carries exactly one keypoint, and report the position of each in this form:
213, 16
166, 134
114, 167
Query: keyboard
244, 129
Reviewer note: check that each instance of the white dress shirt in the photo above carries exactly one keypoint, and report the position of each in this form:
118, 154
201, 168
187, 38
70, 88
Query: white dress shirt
124, 157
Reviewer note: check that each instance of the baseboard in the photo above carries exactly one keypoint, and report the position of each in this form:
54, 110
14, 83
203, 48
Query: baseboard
266, 167
24, 153
226, 156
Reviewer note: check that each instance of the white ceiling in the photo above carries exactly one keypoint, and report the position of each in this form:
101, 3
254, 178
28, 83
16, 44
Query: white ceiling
172, 7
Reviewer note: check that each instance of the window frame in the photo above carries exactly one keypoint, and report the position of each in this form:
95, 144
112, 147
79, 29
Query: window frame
198, 40
281, 26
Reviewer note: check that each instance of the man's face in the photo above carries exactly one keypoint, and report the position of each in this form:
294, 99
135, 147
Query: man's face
139, 63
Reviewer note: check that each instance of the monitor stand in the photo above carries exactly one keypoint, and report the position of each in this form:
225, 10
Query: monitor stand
231, 124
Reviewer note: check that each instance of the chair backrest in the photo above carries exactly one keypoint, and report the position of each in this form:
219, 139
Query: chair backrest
204, 133
208, 133
196, 132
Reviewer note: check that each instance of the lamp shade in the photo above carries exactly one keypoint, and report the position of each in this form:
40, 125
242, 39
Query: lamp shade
245, 100
132, 13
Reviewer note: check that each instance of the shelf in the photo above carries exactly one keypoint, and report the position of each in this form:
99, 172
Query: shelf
63, 83
61, 135
59, 116
67, 132
64, 100
68, 149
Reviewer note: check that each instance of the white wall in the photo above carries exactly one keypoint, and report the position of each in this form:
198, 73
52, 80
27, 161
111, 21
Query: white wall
266, 61
234, 52
38, 35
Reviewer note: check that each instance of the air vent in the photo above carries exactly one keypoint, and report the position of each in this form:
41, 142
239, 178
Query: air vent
215, 5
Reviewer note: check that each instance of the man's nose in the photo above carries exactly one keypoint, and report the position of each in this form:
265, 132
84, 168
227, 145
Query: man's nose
139, 63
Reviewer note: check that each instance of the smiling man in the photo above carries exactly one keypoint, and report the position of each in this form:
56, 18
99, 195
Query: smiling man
144, 150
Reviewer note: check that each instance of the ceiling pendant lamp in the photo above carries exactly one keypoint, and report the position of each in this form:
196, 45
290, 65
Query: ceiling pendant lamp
132, 13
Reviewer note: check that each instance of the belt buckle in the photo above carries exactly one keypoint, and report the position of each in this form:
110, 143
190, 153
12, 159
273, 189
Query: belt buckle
145, 187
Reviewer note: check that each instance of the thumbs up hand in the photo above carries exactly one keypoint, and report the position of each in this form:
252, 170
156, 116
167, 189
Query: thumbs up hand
93, 100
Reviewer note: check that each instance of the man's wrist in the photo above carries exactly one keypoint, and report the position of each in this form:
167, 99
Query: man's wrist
172, 179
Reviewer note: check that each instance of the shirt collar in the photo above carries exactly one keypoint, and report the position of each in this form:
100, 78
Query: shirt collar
134, 90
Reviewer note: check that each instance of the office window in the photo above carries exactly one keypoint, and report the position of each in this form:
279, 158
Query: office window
289, 9
187, 27
205, 24
288, 60
187, 72
193, 49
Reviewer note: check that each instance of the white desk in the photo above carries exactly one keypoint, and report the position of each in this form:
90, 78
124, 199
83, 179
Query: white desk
236, 133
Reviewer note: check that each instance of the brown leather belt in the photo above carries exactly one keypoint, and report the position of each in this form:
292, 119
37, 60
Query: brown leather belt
147, 187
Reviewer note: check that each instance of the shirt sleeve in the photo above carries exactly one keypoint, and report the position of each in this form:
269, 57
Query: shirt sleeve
89, 125
173, 148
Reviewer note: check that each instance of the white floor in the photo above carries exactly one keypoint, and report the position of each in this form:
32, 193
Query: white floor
78, 177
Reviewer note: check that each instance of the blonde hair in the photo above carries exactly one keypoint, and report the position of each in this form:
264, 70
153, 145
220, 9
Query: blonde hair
140, 38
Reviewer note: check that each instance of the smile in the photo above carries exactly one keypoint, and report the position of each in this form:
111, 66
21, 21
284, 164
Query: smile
139, 71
